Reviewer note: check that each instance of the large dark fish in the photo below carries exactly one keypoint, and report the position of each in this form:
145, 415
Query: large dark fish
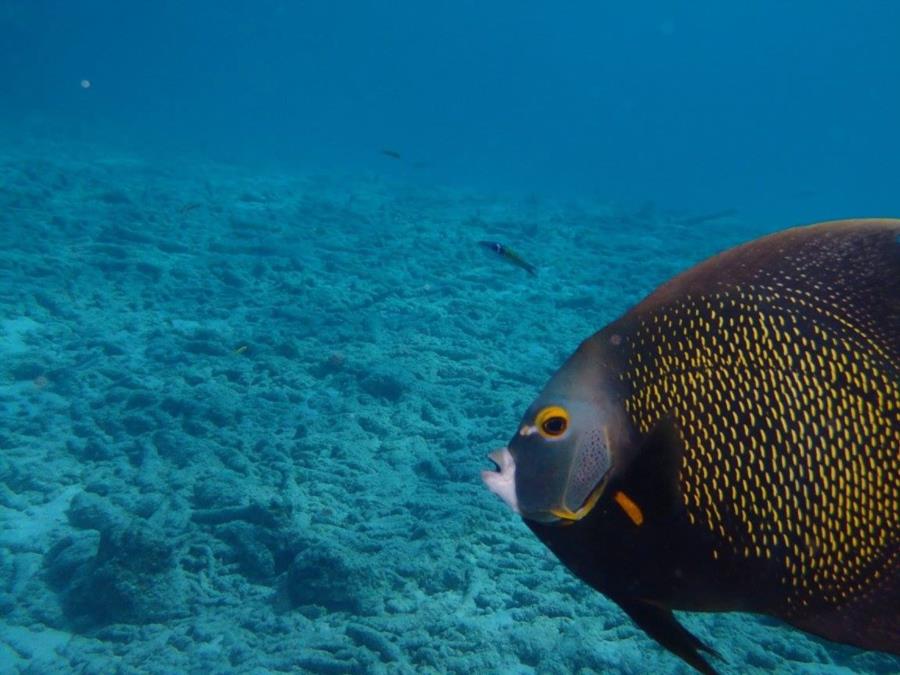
733, 443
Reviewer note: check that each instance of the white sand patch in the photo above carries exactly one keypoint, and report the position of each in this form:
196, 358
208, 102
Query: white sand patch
13, 333
21, 646
28, 530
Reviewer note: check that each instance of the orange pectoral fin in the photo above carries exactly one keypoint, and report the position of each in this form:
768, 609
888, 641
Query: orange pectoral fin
632, 510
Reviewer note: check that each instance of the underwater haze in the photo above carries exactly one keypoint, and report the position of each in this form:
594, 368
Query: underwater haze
252, 356
758, 106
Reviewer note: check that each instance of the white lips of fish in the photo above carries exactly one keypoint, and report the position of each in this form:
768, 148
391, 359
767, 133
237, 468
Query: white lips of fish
502, 482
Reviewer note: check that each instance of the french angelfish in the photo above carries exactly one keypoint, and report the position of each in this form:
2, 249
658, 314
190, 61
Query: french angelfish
732, 443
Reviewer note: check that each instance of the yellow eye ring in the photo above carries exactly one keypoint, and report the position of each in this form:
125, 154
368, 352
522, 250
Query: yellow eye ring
552, 422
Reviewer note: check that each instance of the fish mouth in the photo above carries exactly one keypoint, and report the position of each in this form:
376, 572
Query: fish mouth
502, 479
502, 482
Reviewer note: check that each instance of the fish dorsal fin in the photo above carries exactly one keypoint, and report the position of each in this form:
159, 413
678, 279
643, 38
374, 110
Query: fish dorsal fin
648, 491
661, 624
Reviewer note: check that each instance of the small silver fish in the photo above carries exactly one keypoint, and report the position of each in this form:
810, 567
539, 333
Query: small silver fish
509, 256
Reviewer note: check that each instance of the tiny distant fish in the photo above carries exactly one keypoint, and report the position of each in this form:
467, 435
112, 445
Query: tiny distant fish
187, 208
509, 256
393, 154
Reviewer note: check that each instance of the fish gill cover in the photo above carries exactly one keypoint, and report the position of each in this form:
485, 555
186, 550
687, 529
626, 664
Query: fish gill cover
252, 354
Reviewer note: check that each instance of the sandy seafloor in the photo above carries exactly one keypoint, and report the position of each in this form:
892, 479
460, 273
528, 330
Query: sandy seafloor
244, 414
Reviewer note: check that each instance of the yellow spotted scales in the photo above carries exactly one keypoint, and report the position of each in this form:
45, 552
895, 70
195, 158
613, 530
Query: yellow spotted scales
783, 385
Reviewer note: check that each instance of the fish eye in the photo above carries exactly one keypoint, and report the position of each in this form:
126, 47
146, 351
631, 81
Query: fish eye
552, 422
554, 426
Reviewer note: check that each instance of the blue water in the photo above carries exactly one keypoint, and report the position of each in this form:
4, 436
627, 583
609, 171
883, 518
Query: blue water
251, 358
